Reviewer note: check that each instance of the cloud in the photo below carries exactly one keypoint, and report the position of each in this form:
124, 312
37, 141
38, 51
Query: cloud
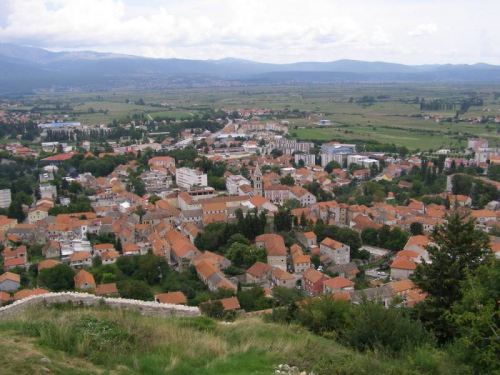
260, 30
427, 29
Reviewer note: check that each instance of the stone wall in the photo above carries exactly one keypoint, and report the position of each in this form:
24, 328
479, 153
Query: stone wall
84, 299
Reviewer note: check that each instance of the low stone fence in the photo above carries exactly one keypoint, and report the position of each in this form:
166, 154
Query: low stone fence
84, 299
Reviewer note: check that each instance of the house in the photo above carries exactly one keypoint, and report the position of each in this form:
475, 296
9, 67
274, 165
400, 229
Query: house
301, 262
173, 298
131, 249
217, 260
52, 249
259, 273
308, 239
275, 248
312, 281
48, 263
280, 277
230, 304
109, 257
335, 251
338, 284
402, 267
9, 281
4, 298
84, 280
212, 277
28, 293
102, 247
107, 290
80, 259
349, 270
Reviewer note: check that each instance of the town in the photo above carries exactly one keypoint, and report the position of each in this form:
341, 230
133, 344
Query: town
228, 206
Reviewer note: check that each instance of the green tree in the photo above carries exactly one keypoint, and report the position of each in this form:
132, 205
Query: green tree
416, 228
244, 256
213, 309
287, 180
57, 278
477, 319
291, 204
135, 289
460, 248
369, 236
331, 166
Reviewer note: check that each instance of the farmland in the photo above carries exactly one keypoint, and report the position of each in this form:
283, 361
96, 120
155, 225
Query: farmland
392, 116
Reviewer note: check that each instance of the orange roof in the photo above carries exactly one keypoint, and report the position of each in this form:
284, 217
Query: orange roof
301, 258
259, 269
338, 282
419, 240
313, 275
79, 255
28, 293
49, 263
206, 268
328, 242
401, 286
110, 254
274, 244
231, 303
174, 298
309, 235
408, 253
10, 276
279, 274
130, 247
103, 246
14, 262
403, 262
106, 289
84, 277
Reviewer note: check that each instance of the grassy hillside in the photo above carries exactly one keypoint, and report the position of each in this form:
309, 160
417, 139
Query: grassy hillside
101, 341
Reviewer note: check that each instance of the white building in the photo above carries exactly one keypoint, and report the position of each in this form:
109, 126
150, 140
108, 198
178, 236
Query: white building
367, 163
5, 198
233, 182
187, 178
327, 158
307, 158
48, 191
355, 159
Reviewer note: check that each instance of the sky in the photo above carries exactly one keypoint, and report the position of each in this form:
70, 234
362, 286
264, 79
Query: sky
277, 31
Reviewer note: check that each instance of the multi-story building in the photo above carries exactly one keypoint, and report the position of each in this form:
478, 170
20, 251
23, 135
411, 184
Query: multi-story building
289, 146
306, 158
48, 191
5, 198
233, 182
333, 148
187, 178
337, 252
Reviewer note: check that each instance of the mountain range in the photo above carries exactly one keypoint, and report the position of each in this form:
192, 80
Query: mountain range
26, 68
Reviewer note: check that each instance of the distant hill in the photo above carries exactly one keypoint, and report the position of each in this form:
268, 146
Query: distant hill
26, 68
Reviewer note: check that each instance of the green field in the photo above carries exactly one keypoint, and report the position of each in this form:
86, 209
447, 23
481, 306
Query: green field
79, 341
390, 119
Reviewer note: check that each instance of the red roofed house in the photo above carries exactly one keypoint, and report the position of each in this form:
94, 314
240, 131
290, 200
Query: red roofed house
282, 278
337, 285
402, 267
275, 247
312, 281
308, 239
259, 273
84, 280
173, 298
